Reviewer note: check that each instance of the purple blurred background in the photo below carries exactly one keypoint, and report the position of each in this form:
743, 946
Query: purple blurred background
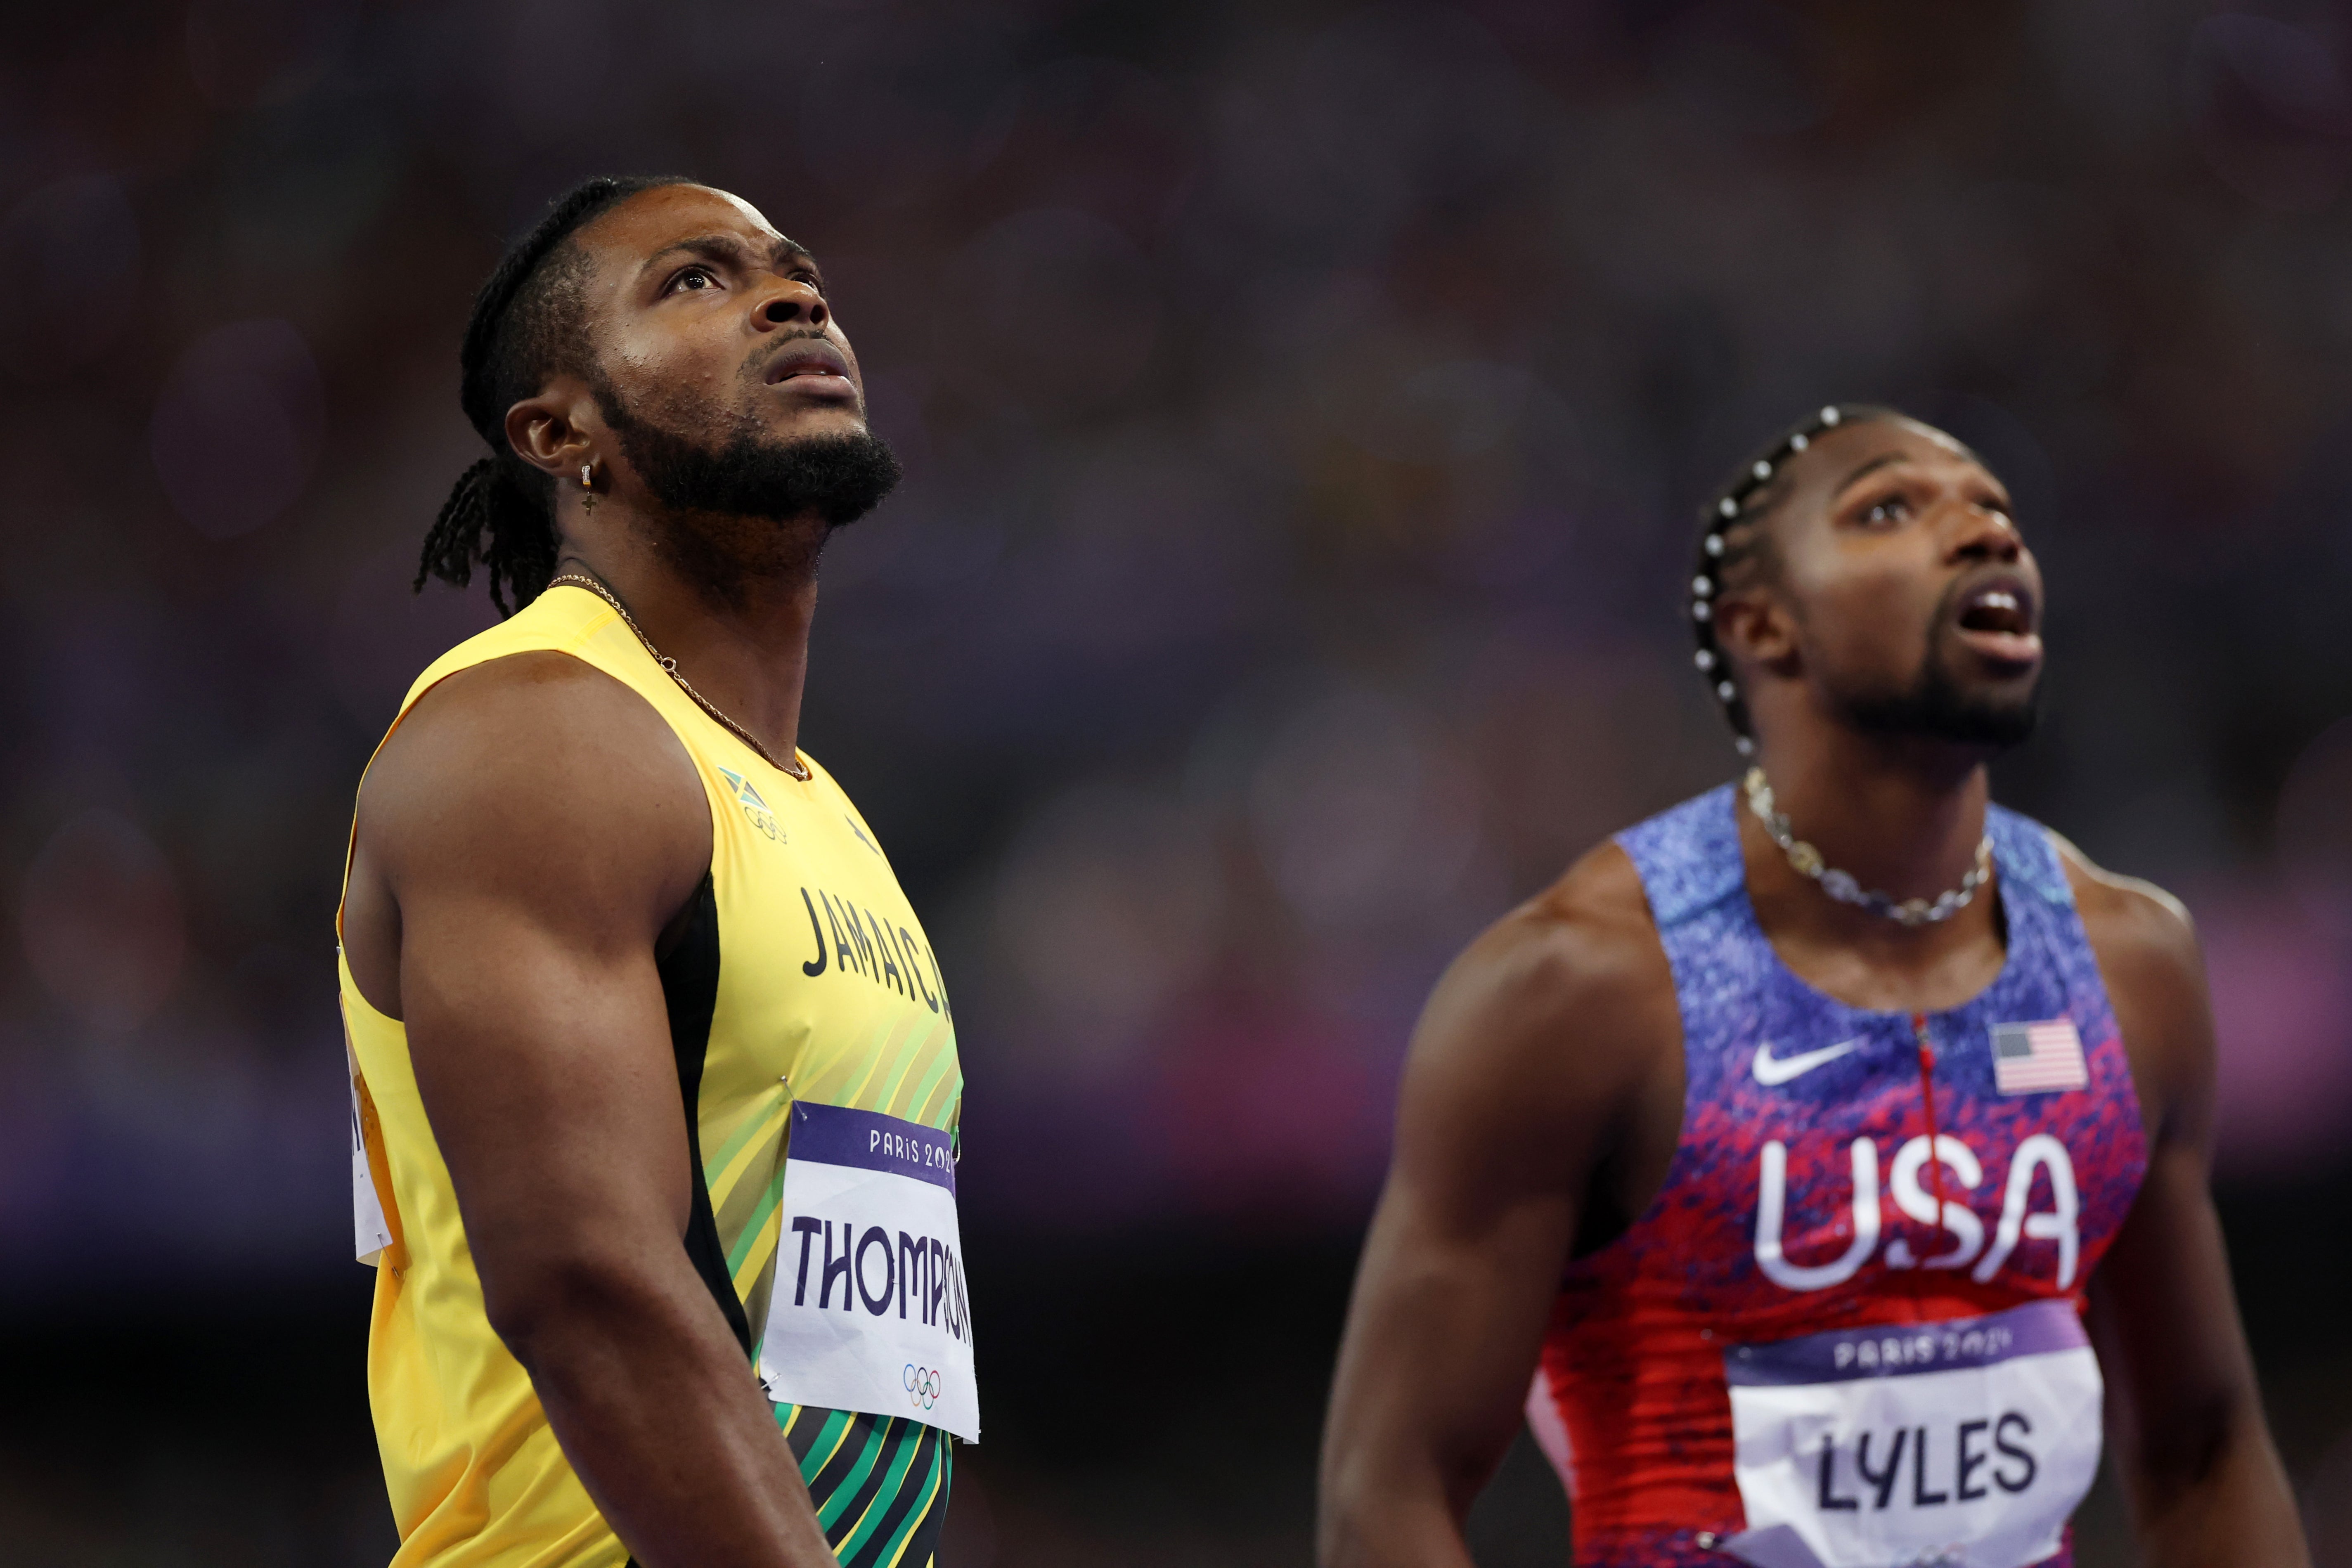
1305, 408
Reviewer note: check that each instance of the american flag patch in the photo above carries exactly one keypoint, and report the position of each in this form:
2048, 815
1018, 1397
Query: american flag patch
2035, 1058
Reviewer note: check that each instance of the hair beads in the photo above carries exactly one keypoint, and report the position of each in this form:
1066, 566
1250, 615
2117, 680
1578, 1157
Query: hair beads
1718, 553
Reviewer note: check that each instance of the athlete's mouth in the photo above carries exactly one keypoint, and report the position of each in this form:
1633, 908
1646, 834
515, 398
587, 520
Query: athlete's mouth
1995, 610
1997, 620
811, 359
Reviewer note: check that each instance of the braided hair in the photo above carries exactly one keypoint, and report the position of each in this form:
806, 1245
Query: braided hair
526, 326
1731, 537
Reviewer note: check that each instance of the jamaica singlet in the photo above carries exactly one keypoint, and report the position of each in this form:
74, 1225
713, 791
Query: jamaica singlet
1847, 1333
816, 1053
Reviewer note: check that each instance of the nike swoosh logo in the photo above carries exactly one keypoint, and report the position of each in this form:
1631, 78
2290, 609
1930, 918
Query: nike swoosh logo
1772, 1071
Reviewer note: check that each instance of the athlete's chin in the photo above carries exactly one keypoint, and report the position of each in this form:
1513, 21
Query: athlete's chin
1994, 726
1996, 712
1993, 721
1987, 716
791, 422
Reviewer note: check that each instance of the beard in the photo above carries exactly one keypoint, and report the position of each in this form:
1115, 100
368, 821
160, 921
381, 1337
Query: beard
750, 473
1933, 707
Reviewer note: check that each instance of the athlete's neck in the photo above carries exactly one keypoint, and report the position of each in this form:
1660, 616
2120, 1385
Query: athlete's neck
1902, 818
731, 604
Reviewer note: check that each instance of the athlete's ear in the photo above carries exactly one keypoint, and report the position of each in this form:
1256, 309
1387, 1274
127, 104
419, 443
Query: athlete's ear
559, 429
1754, 627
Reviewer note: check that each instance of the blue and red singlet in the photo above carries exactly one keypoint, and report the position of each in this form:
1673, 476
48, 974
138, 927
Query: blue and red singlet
1848, 1333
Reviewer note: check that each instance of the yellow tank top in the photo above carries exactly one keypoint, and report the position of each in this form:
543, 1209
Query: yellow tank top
804, 976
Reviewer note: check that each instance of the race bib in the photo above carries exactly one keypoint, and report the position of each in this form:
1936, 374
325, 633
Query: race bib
369, 1234
870, 1312
1957, 1445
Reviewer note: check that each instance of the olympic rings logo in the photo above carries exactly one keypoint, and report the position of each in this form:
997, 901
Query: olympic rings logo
922, 1386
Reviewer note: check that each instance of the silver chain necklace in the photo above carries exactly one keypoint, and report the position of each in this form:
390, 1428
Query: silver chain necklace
1840, 884
794, 767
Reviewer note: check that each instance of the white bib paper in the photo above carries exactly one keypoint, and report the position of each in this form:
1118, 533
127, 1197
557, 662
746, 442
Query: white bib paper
1958, 1445
870, 1312
369, 1234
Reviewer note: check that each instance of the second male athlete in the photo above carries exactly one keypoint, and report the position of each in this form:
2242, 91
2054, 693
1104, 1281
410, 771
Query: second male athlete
1829, 1152
655, 1081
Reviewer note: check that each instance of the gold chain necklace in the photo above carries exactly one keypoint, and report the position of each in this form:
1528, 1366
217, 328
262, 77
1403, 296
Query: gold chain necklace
794, 767
1841, 887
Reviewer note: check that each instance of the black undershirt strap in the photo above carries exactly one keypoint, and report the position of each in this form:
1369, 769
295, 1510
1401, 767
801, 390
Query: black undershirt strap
689, 981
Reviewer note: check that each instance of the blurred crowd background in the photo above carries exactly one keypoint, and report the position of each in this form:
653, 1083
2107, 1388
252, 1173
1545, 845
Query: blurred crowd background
1305, 407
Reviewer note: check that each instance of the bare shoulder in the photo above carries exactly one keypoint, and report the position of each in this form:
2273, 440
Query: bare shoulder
2148, 955
536, 764
2137, 929
1587, 941
1554, 1015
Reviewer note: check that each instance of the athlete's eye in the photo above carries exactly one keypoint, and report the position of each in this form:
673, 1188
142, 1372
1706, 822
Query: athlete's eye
1892, 510
693, 280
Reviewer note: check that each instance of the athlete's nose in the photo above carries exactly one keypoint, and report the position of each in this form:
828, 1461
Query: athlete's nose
1985, 533
793, 301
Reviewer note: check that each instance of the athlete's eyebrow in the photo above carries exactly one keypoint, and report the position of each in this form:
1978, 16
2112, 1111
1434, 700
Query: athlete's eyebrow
1871, 467
728, 249
1884, 459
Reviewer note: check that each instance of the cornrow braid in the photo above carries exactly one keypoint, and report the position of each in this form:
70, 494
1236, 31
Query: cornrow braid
1730, 539
486, 519
526, 326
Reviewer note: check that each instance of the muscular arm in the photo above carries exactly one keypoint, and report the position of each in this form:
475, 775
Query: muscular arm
2185, 1418
523, 841
1531, 1053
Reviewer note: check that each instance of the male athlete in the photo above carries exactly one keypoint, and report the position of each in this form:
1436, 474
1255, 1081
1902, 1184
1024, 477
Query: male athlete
654, 1080
1778, 1141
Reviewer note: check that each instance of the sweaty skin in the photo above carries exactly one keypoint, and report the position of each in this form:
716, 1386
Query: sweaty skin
526, 841
1545, 1080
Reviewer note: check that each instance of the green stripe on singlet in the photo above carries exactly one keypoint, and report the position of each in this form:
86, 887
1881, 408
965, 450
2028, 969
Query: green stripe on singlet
919, 1104
909, 1438
892, 1042
844, 1492
896, 1547
752, 1126
755, 1225
879, 1484
829, 1439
